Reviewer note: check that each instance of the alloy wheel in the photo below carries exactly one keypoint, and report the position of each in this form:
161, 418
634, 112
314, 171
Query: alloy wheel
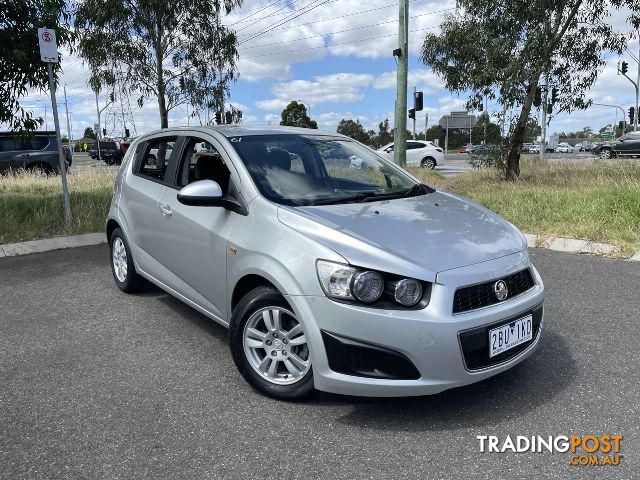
119, 259
275, 346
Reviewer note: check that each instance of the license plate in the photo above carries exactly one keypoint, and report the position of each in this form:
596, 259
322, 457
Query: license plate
510, 335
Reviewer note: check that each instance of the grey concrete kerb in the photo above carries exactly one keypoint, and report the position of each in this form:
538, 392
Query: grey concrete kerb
572, 245
48, 244
560, 244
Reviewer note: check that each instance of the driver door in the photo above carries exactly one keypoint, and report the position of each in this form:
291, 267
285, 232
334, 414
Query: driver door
196, 237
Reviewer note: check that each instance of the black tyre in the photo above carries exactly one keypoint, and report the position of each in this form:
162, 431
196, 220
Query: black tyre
429, 163
122, 266
606, 154
269, 345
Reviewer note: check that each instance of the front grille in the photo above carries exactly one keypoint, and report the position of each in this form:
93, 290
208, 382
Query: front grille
475, 342
483, 295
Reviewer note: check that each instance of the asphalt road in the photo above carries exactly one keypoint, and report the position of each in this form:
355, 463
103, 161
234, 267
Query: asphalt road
97, 384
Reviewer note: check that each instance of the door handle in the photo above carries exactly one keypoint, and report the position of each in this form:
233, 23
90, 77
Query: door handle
165, 209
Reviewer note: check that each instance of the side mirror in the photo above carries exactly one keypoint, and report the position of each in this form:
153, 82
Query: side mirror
207, 193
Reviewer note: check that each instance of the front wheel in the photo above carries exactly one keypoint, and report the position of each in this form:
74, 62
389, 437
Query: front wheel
429, 163
269, 345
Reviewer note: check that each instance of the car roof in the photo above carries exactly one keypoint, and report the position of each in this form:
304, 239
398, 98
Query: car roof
242, 130
36, 133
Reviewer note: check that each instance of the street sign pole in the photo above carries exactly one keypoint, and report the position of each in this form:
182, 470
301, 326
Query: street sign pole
49, 55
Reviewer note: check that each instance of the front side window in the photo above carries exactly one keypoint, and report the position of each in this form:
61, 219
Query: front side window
202, 161
316, 170
155, 158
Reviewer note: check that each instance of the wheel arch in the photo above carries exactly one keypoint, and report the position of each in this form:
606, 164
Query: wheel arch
111, 226
247, 283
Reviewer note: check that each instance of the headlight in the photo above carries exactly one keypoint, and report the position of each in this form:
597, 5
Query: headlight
377, 289
408, 292
335, 279
368, 286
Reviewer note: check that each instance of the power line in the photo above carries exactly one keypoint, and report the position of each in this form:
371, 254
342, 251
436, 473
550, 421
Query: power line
312, 6
259, 9
350, 15
285, 7
336, 44
339, 31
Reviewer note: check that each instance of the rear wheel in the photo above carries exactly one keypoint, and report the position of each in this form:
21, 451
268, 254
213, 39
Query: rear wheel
269, 345
122, 266
606, 153
429, 163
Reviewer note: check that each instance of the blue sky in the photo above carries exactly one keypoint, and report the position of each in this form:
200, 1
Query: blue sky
337, 58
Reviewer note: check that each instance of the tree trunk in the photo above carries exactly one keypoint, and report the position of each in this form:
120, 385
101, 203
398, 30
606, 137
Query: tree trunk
162, 101
162, 105
512, 171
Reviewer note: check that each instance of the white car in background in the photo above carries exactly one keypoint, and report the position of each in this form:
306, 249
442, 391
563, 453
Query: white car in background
419, 154
564, 147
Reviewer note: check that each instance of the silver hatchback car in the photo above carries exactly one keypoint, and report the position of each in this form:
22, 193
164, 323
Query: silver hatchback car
358, 281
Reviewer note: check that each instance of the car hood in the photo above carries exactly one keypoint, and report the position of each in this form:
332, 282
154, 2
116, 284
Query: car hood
416, 236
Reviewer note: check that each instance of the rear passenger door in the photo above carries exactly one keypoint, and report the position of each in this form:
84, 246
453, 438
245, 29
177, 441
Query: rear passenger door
151, 171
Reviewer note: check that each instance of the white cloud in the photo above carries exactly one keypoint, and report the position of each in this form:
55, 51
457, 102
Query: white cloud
334, 88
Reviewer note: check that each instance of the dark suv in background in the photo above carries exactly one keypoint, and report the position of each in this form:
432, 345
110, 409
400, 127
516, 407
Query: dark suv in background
110, 152
626, 145
31, 151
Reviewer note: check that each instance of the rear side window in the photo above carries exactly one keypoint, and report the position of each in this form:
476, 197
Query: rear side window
155, 159
16, 144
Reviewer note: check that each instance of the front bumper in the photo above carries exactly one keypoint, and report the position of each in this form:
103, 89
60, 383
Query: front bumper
428, 338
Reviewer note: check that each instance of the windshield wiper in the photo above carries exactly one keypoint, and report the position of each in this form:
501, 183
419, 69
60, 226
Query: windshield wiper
359, 197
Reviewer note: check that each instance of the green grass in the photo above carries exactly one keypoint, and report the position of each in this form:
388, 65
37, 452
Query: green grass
31, 206
598, 201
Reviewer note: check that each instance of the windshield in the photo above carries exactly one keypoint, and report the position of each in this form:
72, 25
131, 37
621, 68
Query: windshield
315, 170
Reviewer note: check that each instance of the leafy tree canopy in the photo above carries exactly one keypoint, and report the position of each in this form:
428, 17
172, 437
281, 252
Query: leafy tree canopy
89, 133
486, 131
295, 115
354, 130
504, 50
176, 51
20, 66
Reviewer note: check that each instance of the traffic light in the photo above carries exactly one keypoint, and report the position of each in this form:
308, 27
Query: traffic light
127, 134
112, 97
228, 118
218, 118
412, 113
104, 132
624, 68
621, 125
181, 82
632, 112
554, 95
537, 99
418, 101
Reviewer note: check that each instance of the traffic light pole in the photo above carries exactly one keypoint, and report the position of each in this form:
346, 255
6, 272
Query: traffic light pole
543, 143
635, 120
414, 113
400, 120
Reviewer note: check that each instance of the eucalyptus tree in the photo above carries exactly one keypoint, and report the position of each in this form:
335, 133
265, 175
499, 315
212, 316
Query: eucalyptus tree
178, 52
507, 49
21, 69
